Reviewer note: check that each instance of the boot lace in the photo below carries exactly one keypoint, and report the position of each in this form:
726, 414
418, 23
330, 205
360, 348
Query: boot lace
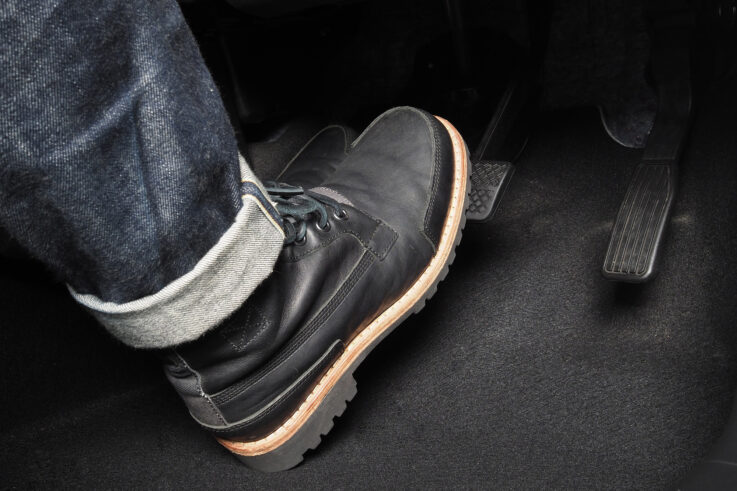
297, 206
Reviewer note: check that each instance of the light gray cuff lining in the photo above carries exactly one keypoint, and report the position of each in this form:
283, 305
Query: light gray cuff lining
198, 301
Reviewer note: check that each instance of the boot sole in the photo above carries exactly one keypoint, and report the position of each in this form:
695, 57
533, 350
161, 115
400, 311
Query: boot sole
284, 447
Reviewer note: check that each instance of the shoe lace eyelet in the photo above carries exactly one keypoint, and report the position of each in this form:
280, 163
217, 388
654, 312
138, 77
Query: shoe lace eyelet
340, 216
302, 241
323, 229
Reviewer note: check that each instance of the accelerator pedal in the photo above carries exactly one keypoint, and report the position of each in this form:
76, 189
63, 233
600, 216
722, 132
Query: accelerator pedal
638, 233
489, 180
641, 222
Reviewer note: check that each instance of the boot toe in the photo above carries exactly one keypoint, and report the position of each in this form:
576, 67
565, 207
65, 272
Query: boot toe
400, 170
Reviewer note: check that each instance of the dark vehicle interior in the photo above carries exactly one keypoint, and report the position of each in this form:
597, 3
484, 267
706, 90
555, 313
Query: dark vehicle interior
586, 336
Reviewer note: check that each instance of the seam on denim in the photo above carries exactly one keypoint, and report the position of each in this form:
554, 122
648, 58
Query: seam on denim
251, 190
243, 164
247, 175
266, 213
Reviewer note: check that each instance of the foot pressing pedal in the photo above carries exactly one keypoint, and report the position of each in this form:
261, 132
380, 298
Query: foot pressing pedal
641, 222
489, 180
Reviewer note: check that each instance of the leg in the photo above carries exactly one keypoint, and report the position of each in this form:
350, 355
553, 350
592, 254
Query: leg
120, 170
123, 177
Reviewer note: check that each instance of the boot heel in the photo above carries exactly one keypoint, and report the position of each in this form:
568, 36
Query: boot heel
308, 437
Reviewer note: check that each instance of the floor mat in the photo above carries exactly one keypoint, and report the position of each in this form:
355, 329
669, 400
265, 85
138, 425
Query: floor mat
527, 369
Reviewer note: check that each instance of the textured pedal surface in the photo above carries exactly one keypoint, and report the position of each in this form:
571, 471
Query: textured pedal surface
489, 180
638, 232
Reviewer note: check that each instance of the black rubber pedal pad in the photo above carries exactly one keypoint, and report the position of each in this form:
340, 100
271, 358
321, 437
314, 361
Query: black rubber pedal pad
637, 235
489, 180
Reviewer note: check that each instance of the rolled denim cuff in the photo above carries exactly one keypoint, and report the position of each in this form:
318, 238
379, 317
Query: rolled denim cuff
218, 284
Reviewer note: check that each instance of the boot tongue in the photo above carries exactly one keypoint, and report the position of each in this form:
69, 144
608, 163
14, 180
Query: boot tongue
333, 194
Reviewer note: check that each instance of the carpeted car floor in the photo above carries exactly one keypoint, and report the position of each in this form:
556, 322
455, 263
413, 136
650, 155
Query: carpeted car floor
527, 370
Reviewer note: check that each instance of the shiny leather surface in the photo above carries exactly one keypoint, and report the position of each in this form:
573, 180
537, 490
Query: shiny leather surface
403, 151
258, 365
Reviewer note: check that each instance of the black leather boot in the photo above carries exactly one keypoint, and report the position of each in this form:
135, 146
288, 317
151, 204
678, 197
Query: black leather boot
363, 250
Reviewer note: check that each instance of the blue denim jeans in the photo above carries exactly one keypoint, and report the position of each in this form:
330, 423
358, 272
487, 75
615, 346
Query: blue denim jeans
119, 169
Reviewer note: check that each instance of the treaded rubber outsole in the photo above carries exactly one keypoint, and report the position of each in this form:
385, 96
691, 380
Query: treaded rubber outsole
319, 422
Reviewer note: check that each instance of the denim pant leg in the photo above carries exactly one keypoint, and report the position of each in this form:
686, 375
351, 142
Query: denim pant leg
119, 169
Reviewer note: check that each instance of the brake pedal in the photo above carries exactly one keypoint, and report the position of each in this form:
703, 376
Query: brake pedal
502, 142
489, 180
